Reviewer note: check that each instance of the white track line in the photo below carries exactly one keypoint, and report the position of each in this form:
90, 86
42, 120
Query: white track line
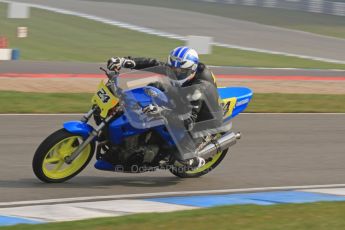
277, 52
87, 210
169, 35
159, 194
332, 191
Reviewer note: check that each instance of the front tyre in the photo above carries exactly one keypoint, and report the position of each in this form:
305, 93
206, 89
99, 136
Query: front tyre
48, 163
208, 167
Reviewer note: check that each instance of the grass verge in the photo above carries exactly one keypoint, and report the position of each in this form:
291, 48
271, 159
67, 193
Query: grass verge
20, 102
57, 37
296, 103
323, 24
326, 215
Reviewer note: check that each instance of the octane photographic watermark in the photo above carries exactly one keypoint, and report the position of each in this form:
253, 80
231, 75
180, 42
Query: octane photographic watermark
146, 168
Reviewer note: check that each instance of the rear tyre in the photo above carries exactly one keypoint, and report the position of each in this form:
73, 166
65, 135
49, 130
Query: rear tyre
208, 167
48, 163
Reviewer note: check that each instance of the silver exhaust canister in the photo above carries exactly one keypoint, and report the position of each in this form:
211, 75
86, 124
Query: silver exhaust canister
221, 144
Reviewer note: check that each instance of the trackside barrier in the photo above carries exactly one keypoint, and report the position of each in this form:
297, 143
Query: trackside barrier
3, 42
336, 7
7, 53
15, 54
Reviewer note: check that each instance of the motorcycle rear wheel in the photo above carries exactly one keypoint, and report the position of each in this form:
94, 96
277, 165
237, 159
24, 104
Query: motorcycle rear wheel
208, 167
48, 163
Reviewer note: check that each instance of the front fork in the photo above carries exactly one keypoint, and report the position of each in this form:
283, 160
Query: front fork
92, 135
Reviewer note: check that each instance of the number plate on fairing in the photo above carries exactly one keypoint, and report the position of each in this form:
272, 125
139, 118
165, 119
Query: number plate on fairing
228, 106
104, 99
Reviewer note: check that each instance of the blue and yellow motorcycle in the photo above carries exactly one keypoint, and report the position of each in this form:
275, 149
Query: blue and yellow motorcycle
120, 144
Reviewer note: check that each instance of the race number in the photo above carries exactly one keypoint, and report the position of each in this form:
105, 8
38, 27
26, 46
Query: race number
228, 106
103, 95
104, 99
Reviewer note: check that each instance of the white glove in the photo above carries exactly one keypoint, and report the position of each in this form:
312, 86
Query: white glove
152, 109
115, 63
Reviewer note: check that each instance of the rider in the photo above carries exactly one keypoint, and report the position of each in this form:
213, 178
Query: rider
188, 72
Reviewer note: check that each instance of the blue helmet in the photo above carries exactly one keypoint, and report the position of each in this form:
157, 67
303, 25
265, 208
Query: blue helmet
184, 61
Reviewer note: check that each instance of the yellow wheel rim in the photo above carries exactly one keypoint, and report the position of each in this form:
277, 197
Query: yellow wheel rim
54, 166
208, 165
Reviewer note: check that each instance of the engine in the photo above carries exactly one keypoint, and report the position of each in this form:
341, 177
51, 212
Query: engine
135, 151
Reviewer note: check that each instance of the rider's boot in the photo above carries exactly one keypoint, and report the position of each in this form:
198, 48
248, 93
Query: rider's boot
191, 164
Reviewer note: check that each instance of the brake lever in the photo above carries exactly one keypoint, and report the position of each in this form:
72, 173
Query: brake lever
104, 70
110, 77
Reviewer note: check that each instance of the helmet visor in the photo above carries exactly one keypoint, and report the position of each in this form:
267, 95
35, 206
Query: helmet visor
179, 74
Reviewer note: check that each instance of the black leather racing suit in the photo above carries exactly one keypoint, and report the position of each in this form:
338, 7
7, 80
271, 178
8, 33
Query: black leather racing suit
201, 93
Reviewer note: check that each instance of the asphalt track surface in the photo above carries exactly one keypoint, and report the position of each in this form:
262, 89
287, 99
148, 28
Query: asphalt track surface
50, 67
276, 150
224, 30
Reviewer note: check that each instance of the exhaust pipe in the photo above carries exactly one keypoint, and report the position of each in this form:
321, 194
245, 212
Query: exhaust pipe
221, 144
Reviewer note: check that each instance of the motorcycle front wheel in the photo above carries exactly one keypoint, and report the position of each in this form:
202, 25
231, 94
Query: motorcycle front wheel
48, 163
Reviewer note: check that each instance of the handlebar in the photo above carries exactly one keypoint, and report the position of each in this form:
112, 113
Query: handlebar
110, 74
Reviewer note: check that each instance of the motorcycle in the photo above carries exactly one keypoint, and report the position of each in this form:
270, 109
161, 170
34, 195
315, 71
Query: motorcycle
125, 139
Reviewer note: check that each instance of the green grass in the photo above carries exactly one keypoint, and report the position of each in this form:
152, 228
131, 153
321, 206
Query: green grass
59, 37
297, 103
19, 102
323, 24
316, 216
